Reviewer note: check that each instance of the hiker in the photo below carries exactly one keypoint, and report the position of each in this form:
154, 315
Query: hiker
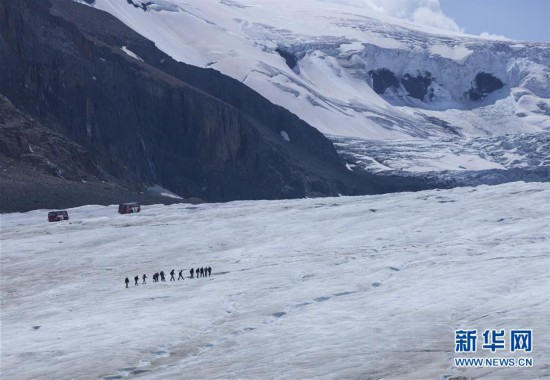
172, 275
162, 276
209, 271
197, 272
155, 277
126, 281
136, 279
191, 272
202, 272
180, 275
144, 277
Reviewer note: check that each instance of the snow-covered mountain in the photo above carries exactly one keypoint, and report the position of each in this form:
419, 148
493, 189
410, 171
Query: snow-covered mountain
351, 287
134, 116
377, 80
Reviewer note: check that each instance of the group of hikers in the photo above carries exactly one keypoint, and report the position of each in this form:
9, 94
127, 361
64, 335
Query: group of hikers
199, 272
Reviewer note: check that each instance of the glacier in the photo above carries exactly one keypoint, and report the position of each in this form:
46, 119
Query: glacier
378, 80
347, 287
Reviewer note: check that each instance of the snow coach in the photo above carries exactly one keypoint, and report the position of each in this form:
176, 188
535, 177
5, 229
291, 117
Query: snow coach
57, 216
128, 208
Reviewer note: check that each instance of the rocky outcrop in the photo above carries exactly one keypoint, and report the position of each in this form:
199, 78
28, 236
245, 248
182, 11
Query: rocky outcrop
382, 79
146, 119
420, 86
483, 84
40, 168
26, 140
290, 59
417, 87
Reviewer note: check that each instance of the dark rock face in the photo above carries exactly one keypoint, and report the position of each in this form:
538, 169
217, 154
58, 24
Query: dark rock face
40, 168
417, 87
290, 59
382, 79
484, 84
25, 187
139, 4
156, 121
25, 140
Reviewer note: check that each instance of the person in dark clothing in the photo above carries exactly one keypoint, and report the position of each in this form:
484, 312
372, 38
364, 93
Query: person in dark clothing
202, 272
162, 276
209, 271
126, 281
154, 277
180, 275
136, 279
191, 272
197, 272
172, 275
144, 277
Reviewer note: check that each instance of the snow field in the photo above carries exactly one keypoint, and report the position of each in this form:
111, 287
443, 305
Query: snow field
350, 287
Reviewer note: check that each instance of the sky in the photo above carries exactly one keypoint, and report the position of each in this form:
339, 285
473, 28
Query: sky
516, 19
527, 20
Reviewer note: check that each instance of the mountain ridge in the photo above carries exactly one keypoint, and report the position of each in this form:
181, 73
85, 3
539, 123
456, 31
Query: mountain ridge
85, 75
320, 59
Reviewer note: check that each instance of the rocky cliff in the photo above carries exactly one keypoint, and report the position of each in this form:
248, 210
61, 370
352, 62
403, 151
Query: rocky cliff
40, 168
146, 119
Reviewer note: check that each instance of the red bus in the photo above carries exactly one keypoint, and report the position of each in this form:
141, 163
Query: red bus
56, 216
128, 208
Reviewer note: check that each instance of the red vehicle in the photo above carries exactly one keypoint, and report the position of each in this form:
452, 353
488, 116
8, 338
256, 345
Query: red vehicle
128, 208
56, 216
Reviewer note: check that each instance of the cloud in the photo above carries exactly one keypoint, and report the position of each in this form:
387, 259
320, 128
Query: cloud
491, 36
423, 12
